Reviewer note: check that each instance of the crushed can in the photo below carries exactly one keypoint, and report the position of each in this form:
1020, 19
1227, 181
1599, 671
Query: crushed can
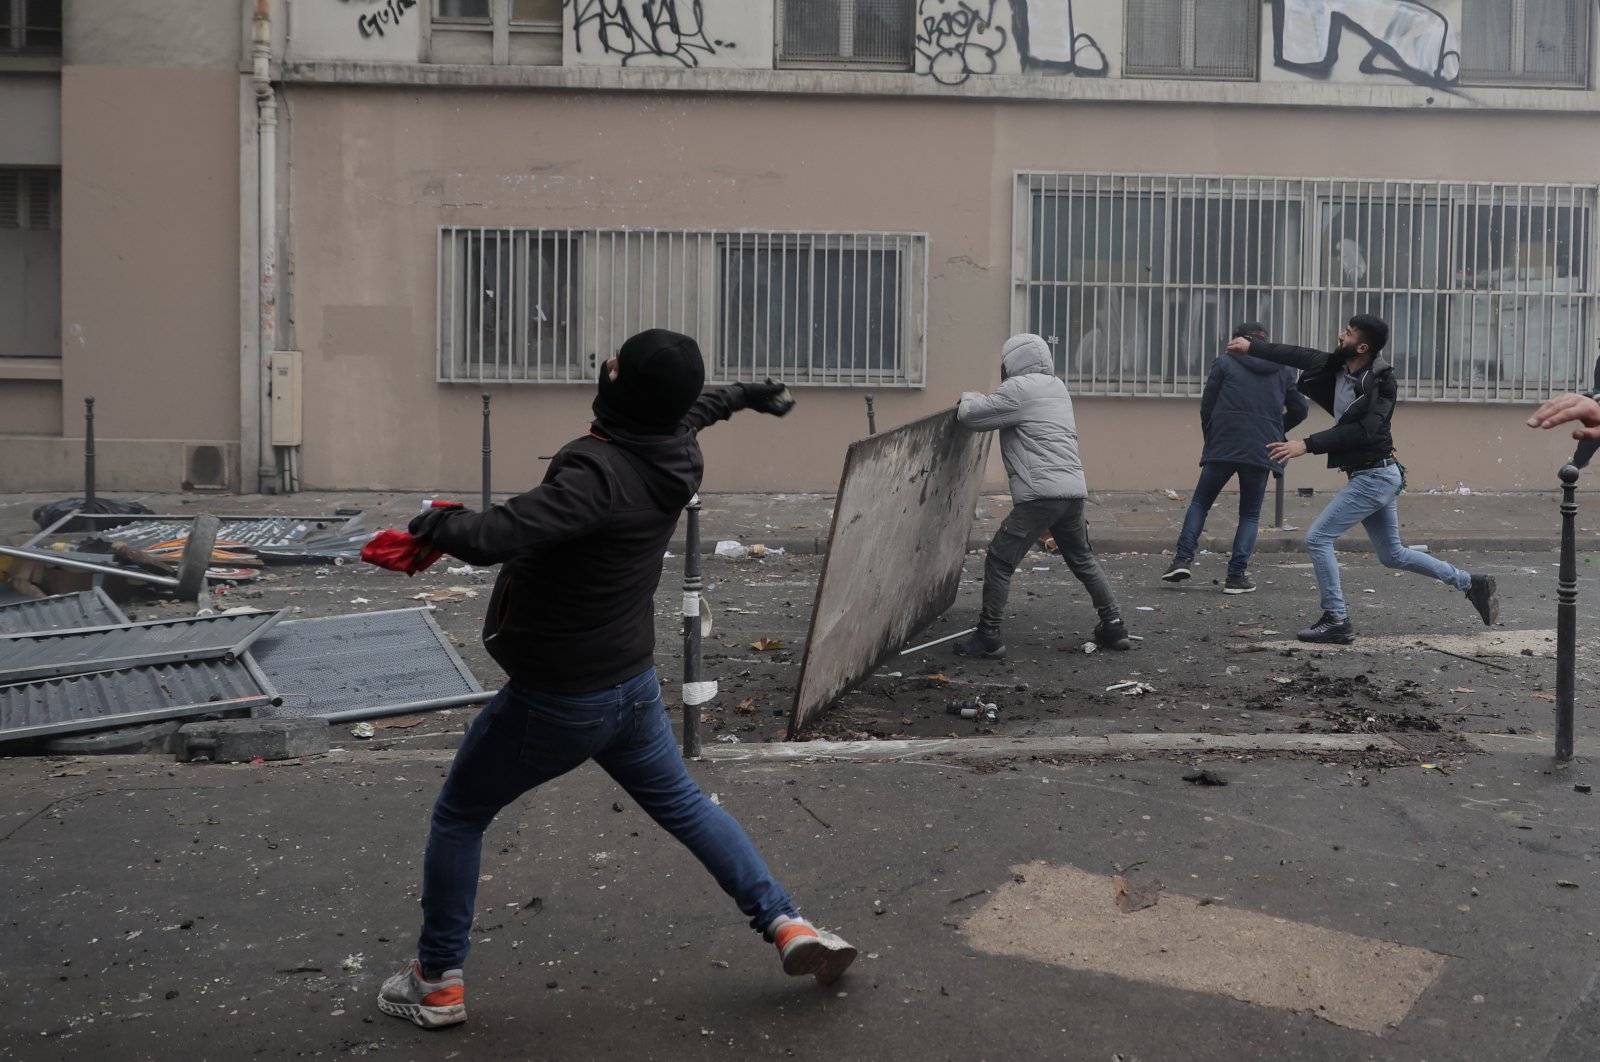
975, 708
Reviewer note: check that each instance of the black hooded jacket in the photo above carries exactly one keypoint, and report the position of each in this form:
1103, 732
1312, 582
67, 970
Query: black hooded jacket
1362, 435
573, 609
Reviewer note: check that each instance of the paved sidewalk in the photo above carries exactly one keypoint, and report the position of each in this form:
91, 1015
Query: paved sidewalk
1120, 521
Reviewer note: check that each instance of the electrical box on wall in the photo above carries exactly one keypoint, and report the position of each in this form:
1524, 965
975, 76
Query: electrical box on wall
286, 398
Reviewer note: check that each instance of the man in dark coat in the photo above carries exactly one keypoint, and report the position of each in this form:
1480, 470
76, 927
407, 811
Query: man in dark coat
1358, 388
1247, 404
572, 621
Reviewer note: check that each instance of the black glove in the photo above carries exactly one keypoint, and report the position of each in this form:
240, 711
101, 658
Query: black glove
425, 523
769, 397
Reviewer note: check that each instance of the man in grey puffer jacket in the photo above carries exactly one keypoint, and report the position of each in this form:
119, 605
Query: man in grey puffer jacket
1039, 444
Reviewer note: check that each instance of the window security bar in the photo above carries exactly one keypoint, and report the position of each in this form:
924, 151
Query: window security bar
1136, 280
528, 305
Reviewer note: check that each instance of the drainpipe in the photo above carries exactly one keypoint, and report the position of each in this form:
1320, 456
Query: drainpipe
267, 219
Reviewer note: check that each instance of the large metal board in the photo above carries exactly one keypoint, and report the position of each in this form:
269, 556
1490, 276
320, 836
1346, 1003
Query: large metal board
363, 666
87, 608
51, 654
124, 698
903, 513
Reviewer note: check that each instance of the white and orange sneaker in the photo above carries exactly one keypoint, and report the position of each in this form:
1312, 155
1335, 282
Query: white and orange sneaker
432, 1004
805, 949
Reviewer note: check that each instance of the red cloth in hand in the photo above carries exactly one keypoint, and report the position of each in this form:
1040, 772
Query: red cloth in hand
399, 551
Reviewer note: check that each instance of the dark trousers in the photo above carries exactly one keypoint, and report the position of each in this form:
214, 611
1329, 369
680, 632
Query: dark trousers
1252, 489
1063, 518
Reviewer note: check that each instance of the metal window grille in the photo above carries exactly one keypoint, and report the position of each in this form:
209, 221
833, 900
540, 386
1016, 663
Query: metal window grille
1137, 280
1192, 38
30, 26
547, 305
30, 199
873, 34
1511, 42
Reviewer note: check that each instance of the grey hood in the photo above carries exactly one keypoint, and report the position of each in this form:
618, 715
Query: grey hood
1026, 353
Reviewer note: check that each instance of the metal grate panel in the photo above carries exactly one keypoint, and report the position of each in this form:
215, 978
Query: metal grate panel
50, 654
364, 665
87, 608
124, 698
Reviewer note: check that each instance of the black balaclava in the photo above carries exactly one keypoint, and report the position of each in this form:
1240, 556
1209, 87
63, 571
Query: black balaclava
659, 375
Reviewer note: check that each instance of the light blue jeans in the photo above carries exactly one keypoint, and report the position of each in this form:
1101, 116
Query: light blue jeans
1369, 500
527, 737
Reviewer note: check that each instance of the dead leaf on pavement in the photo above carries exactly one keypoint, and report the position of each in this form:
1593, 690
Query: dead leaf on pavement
746, 706
1542, 696
1463, 689
1132, 898
763, 644
399, 724
940, 677
70, 772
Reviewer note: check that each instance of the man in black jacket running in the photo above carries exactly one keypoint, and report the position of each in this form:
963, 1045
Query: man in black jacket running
1358, 388
572, 621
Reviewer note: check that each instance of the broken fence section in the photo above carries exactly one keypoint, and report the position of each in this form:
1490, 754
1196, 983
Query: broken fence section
55, 654
87, 608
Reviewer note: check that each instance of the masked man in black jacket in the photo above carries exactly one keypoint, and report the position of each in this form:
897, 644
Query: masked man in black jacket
572, 621
1358, 388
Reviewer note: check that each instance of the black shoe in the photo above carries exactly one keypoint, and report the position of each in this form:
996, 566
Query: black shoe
1483, 597
1112, 634
984, 642
1176, 572
1329, 630
1239, 584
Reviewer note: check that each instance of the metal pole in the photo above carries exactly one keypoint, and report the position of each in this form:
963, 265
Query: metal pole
694, 689
872, 421
1277, 505
88, 451
1566, 613
485, 506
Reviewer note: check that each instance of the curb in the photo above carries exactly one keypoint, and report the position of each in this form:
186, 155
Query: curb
1290, 542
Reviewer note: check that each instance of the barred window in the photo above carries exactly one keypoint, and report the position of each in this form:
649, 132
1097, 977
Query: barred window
30, 26
870, 34
30, 263
548, 305
1192, 38
1512, 42
1136, 281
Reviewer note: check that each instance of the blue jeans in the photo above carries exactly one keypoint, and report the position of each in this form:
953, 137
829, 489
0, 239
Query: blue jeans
1369, 500
526, 737
1252, 489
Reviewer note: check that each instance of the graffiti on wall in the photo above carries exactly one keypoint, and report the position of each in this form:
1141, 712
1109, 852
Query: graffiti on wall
632, 30
385, 16
1049, 41
957, 39
1400, 37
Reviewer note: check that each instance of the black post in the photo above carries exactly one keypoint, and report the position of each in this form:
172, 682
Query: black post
1277, 505
88, 452
872, 421
1566, 613
693, 688
485, 506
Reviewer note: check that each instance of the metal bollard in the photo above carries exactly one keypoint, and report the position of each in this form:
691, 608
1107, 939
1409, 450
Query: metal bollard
1277, 505
1566, 614
694, 689
88, 452
872, 421
485, 506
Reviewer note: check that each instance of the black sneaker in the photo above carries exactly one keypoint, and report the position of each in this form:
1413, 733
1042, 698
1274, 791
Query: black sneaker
1112, 634
984, 642
1176, 572
1239, 584
1483, 597
1329, 630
